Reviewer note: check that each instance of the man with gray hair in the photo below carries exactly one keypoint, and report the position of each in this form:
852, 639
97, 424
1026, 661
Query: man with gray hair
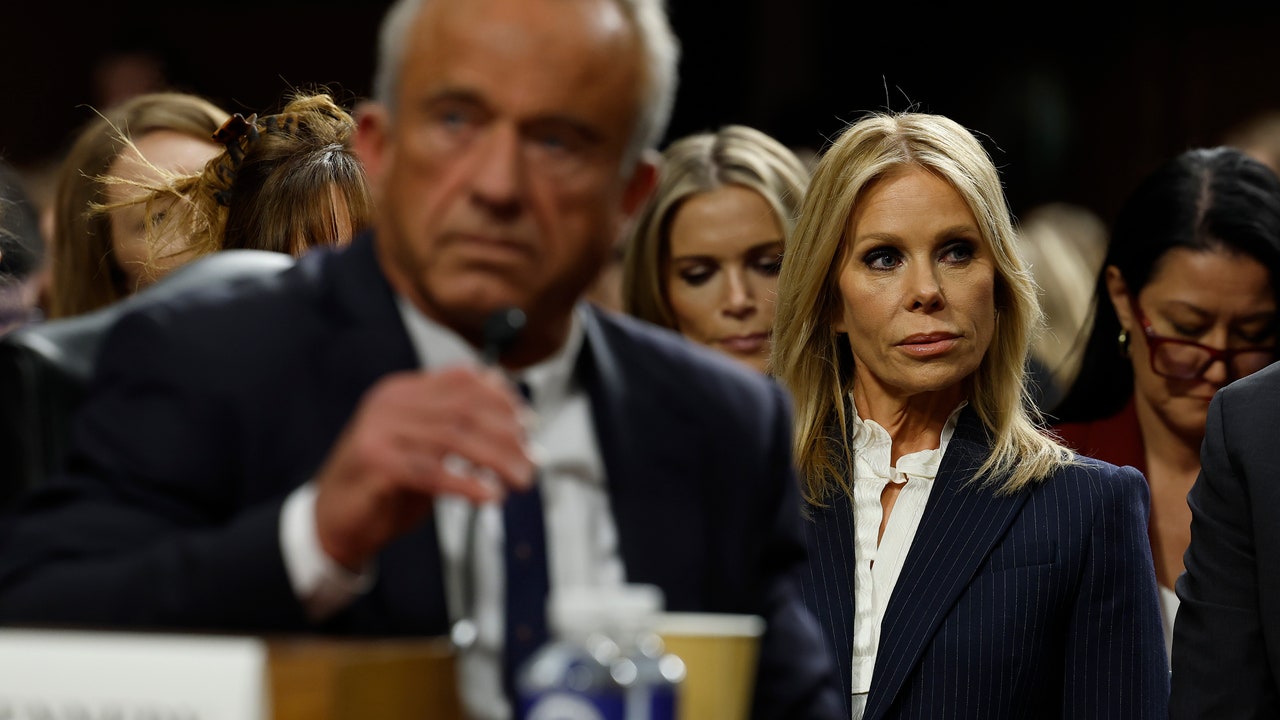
342, 449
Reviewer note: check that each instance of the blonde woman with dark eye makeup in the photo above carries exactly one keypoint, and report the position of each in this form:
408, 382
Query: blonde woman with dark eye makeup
961, 562
705, 254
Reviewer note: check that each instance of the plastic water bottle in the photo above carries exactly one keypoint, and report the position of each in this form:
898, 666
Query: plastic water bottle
569, 677
650, 675
604, 661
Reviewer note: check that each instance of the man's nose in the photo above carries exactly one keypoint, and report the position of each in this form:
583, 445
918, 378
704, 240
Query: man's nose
497, 182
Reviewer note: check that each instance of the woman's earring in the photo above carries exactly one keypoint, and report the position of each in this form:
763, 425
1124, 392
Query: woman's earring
1123, 343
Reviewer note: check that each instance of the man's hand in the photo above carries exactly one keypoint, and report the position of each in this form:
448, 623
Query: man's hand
416, 435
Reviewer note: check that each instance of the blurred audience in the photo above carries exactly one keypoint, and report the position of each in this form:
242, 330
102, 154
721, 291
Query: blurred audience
98, 258
1259, 137
952, 544
705, 253
286, 182
125, 73
1185, 303
21, 252
1063, 244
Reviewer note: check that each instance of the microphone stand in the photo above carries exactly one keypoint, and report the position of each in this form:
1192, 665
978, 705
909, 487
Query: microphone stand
501, 329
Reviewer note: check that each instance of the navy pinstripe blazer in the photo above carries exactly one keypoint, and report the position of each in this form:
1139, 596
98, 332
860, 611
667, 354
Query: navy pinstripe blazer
1036, 605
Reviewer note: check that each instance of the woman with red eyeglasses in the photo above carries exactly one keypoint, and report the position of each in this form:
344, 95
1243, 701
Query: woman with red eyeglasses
1185, 303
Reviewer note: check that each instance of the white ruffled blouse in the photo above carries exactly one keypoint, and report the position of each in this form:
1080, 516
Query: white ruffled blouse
877, 565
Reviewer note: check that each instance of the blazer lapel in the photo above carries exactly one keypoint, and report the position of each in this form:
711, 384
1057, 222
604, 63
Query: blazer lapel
961, 524
648, 460
601, 375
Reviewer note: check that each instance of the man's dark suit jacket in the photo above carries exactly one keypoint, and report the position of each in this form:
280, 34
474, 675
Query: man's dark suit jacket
1040, 604
1226, 639
206, 412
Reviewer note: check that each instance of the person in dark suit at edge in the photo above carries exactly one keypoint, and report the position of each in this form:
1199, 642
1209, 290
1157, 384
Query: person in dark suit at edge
1226, 657
325, 451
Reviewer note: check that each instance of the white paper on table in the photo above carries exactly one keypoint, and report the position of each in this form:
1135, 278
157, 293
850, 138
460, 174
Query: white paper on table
99, 675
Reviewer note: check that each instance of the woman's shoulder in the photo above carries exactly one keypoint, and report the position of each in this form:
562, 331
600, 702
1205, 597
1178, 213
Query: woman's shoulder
1099, 479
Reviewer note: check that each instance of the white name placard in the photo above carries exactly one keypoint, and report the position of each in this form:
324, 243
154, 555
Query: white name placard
90, 675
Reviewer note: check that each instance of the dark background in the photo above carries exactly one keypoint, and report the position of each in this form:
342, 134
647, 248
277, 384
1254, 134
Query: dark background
1075, 101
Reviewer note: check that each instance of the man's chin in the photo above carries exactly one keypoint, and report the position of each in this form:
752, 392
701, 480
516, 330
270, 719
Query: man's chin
469, 307
487, 299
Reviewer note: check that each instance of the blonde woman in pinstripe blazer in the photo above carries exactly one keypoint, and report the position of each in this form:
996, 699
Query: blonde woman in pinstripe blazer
962, 563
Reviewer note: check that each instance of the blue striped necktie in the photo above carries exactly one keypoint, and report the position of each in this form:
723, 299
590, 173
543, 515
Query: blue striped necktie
525, 560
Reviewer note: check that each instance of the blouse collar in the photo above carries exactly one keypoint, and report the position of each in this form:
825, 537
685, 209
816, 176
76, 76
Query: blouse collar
872, 449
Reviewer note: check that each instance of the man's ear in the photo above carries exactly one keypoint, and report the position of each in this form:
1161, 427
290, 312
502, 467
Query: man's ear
371, 139
644, 178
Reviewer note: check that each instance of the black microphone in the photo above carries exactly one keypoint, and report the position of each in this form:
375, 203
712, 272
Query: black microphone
501, 329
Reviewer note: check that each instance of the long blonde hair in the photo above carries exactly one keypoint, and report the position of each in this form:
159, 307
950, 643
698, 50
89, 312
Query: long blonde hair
815, 364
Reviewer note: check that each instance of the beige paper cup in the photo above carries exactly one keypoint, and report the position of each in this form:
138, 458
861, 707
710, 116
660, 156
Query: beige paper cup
719, 653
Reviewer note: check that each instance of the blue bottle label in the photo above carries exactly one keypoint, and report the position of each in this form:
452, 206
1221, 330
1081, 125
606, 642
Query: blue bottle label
561, 705
662, 704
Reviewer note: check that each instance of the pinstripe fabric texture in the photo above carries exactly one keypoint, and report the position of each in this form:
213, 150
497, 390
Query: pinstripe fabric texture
1039, 605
